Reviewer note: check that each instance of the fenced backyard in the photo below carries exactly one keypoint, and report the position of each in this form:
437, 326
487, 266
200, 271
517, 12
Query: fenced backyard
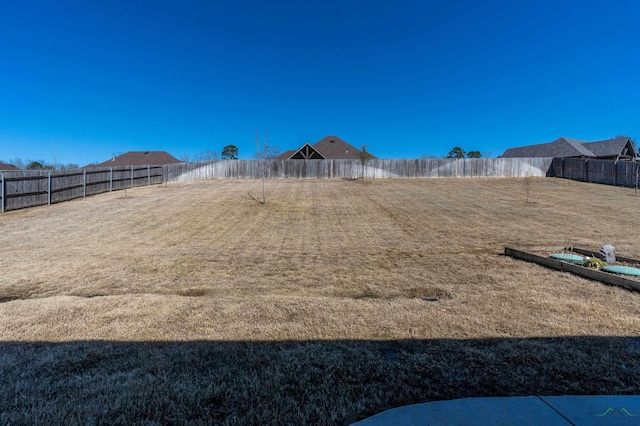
353, 169
23, 189
609, 172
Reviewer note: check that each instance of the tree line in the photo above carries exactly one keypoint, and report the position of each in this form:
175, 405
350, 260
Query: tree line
39, 165
458, 152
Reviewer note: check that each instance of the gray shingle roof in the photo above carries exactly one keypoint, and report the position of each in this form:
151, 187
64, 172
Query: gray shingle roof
568, 147
607, 147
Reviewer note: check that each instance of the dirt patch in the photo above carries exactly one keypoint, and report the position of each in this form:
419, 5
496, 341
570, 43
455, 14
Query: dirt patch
428, 293
4, 299
193, 292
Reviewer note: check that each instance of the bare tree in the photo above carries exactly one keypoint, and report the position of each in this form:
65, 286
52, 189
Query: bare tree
527, 183
271, 152
17, 162
68, 166
263, 155
364, 156
207, 155
267, 152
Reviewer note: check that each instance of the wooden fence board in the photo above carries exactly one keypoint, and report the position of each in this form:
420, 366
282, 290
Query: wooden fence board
21, 189
609, 172
352, 169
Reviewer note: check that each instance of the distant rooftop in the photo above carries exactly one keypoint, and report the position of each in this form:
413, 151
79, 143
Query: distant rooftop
139, 158
7, 167
329, 148
615, 148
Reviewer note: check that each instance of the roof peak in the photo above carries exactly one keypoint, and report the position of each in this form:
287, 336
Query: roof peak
569, 147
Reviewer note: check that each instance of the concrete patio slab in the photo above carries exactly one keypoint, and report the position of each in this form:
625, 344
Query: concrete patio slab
521, 411
602, 410
605, 410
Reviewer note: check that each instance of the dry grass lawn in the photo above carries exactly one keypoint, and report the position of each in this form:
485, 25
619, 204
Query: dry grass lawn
193, 303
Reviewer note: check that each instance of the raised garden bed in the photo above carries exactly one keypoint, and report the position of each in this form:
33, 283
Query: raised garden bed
540, 255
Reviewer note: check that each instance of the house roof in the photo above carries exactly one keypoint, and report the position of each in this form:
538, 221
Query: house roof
307, 152
7, 167
332, 147
568, 147
286, 155
329, 147
139, 158
609, 146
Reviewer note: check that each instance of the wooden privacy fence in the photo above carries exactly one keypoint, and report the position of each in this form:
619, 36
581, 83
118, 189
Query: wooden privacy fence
35, 188
352, 169
610, 172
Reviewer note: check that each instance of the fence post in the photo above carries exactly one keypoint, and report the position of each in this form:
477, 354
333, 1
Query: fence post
49, 190
132, 175
2, 190
148, 174
84, 183
110, 179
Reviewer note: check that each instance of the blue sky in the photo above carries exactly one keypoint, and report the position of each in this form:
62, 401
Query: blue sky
80, 81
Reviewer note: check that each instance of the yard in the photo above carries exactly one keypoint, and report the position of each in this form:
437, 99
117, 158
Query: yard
337, 299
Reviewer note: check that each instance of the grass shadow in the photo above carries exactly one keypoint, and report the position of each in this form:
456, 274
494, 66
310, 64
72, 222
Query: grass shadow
295, 382
259, 201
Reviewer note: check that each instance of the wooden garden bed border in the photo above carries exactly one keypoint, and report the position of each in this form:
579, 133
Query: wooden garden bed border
522, 253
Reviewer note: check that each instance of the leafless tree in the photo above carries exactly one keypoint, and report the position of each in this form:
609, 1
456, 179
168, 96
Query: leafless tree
527, 183
263, 154
364, 156
207, 155
18, 162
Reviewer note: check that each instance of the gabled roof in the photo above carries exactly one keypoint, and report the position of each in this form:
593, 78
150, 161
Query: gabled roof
285, 155
615, 146
329, 147
568, 147
139, 158
7, 167
307, 152
332, 147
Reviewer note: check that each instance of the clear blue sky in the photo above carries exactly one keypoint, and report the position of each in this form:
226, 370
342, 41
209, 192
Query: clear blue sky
82, 80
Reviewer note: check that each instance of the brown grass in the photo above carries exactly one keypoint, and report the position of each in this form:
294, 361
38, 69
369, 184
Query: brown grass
333, 301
